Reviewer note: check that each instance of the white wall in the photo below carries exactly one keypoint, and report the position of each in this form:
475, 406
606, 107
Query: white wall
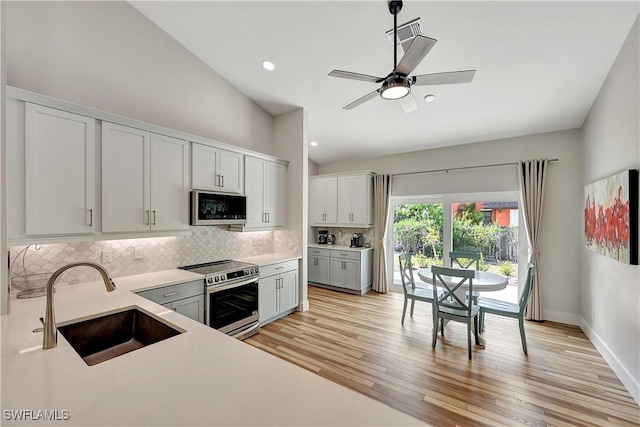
290, 136
109, 56
611, 290
562, 217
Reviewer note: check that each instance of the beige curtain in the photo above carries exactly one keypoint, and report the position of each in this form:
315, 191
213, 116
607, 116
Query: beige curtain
381, 197
532, 178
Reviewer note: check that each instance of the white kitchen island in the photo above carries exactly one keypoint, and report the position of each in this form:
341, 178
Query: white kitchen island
198, 378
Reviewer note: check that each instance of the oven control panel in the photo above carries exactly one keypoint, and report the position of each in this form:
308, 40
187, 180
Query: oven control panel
216, 279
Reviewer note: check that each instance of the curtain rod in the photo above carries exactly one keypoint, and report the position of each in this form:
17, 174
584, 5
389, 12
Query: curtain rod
461, 168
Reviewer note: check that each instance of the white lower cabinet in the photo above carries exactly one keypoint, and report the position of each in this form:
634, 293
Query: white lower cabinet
339, 269
192, 307
277, 290
345, 273
186, 298
319, 266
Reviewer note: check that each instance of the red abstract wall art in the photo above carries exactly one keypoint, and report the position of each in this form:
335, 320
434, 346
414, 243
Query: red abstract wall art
611, 216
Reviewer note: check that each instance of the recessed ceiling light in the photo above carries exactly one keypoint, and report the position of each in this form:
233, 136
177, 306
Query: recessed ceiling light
268, 65
429, 98
313, 144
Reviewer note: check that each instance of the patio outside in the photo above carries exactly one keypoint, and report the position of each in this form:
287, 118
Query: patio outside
418, 229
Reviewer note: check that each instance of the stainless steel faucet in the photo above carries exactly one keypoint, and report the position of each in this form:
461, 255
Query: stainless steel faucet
50, 338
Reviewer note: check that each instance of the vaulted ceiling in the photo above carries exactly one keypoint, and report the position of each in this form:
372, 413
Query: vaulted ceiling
539, 65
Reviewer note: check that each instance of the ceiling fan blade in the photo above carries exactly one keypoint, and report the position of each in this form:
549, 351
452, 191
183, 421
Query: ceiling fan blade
447, 78
356, 76
408, 103
419, 48
360, 101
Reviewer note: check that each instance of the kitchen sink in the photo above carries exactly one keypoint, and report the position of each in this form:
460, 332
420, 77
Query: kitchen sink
102, 338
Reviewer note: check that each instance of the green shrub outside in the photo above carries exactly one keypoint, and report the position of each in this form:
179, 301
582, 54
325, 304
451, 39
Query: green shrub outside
506, 268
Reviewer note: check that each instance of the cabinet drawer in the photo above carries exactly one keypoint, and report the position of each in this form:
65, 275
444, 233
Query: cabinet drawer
171, 293
318, 252
345, 254
270, 270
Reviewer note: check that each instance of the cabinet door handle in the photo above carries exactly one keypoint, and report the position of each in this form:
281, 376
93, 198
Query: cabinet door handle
154, 218
90, 217
217, 180
222, 181
148, 218
170, 294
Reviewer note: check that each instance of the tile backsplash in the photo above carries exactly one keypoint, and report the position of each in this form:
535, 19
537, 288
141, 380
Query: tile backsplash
159, 253
344, 235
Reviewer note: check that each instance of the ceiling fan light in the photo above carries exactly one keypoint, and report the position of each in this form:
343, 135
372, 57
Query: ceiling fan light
395, 92
395, 87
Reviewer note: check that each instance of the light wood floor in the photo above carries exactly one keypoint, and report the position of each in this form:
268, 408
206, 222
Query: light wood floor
358, 341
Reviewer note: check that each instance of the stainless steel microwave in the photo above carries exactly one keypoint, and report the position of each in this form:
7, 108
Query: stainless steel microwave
217, 209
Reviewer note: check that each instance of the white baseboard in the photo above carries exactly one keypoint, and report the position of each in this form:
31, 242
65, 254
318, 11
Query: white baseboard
561, 317
303, 306
632, 385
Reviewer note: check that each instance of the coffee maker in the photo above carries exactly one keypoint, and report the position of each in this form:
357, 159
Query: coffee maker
323, 236
357, 241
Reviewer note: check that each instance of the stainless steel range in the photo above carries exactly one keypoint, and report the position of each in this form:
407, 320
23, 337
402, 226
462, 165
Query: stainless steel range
231, 296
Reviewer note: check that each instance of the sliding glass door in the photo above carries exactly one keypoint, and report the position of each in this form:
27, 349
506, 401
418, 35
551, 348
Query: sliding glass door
486, 223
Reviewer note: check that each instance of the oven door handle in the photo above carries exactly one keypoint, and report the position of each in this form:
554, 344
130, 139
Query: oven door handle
211, 289
244, 331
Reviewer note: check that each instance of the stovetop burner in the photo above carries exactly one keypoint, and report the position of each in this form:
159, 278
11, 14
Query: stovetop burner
218, 272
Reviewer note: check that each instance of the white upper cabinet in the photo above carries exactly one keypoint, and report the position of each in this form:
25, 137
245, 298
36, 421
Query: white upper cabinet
355, 199
169, 183
214, 169
341, 200
60, 172
265, 186
274, 200
126, 185
323, 200
144, 181
254, 190
75, 173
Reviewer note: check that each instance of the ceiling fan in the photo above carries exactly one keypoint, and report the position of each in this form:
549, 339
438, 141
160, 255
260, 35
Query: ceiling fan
397, 85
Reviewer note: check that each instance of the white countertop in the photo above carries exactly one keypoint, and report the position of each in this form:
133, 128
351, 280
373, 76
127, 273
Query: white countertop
201, 377
268, 259
338, 247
